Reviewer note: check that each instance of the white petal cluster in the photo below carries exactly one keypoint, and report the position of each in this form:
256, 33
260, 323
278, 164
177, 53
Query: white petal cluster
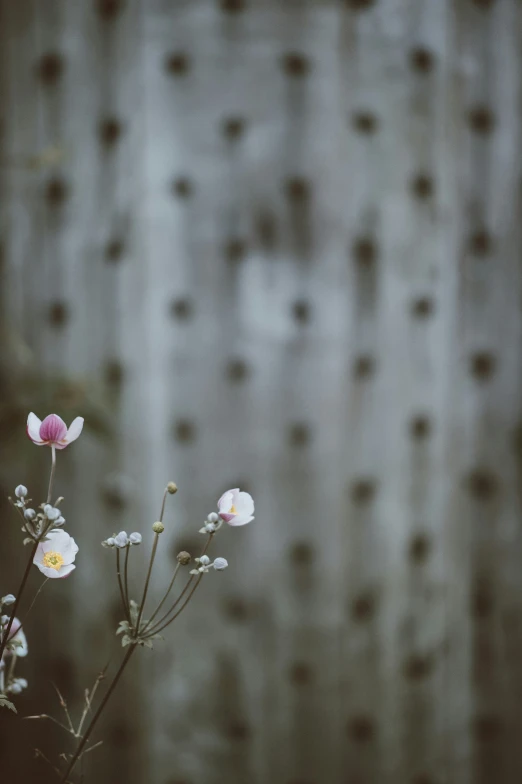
121, 540
205, 565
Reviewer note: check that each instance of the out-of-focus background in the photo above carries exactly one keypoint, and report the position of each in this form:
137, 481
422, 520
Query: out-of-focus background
272, 244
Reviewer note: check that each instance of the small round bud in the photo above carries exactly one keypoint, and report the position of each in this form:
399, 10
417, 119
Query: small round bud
135, 538
172, 488
158, 527
210, 528
213, 517
51, 512
184, 557
9, 599
121, 540
21, 491
204, 560
29, 514
110, 542
220, 564
15, 688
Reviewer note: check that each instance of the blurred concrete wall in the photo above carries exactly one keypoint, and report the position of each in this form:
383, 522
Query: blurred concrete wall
275, 244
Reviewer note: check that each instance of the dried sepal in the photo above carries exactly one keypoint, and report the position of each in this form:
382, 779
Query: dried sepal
5, 703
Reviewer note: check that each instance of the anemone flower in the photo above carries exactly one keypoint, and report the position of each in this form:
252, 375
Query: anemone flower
53, 431
55, 556
236, 508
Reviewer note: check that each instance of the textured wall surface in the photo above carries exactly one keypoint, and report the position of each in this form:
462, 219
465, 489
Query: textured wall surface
275, 243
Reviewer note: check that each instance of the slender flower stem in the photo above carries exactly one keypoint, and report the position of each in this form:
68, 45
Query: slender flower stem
160, 605
187, 600
98, 713
122, 592
180, 597
19, 593
163, 505
35, 597
126, 576
147, 581
53, 470
183, 592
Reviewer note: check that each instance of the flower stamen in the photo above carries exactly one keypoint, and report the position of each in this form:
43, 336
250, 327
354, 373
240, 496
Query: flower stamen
53, 560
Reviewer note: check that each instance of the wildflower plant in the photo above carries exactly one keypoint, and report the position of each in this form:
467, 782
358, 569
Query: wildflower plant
53, 552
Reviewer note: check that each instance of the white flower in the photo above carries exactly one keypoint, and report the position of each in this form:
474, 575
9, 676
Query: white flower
55, 556
121, 540
236, 508
220, 564
135, 538
21, 491
29, 514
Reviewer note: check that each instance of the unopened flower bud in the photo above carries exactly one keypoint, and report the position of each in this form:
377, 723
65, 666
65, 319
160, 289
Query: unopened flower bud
29, 514
135, 538
110, 542
121, 540
15, 688
213, 517
184, 557
9, 599
158, 527
220, 564
204, 560
172, 488
51, 512
21, 491
210, 528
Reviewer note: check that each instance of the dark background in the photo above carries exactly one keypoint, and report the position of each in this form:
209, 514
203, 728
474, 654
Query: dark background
273, 244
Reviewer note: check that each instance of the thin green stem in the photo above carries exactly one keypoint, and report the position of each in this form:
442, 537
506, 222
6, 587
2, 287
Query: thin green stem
120, 583
160, 605
180, 597
126, 576
7, 631
98, 713
35, 597
184, 591
147, 581
187, 600
53, 470
163, 505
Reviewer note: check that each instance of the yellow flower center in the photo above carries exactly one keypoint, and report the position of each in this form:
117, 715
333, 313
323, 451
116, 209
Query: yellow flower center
232, 510
53, 560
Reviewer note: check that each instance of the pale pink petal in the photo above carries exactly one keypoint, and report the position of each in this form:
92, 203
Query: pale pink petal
65, 571
244, 505
227, 499
47, 570
237, 520
33, 428
53, 429
74, 430
226, 516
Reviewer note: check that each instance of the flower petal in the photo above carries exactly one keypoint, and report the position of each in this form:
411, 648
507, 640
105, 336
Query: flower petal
75, 428
65, 570
53, 429
237, 520
33, 428
244, 505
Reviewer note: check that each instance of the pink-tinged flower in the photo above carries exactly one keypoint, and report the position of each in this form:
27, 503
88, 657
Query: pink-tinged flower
53, 431
55, 557
236, 508
17, 635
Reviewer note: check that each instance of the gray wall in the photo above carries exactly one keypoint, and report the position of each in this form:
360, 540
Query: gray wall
278, 246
